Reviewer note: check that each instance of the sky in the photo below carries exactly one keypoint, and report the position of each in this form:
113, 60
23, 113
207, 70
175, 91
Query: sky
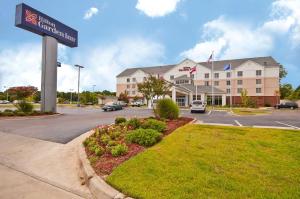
117, 34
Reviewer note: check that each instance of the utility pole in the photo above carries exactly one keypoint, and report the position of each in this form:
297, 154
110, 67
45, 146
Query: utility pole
94, 87
6, 88
71, 90
78, 100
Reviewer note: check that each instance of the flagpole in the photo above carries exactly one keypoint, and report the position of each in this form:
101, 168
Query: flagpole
196, 84
212, 83
230, 87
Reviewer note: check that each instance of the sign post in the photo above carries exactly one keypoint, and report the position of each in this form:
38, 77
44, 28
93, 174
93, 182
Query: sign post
53, 32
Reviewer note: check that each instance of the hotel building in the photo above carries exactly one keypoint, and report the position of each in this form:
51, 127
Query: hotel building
258, 75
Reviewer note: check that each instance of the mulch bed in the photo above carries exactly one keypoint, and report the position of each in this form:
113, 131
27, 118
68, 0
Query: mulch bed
106, 163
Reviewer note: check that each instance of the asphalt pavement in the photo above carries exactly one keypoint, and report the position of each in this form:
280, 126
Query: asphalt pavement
75, 121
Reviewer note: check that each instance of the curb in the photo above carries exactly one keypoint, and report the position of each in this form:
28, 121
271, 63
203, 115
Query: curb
98, 187
30, 117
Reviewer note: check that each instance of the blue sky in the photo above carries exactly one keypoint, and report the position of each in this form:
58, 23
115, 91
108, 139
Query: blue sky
115, 34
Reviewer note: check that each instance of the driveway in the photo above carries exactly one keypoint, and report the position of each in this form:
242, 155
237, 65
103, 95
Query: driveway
64, 128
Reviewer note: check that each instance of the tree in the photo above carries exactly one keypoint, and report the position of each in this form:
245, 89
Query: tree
285, 90
88, 97
153, 87
21, 92
282, 72
245, 98
123, 97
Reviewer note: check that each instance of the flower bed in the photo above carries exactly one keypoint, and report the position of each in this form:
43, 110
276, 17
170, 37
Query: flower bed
110, 145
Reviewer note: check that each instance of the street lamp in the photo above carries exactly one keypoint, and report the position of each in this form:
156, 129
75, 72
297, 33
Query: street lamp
71, 90
5, 87
94, 88
79, 67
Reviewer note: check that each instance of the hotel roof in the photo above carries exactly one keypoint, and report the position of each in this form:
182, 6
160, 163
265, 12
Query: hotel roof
218, 65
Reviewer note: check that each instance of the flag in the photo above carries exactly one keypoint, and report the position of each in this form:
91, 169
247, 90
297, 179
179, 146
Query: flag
227, 67
193, 69
210, 58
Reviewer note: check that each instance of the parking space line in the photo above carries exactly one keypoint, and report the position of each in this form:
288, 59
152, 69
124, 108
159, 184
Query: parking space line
238, 123
295, 127
209, 112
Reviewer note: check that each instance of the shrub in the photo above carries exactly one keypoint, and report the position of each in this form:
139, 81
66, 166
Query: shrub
120, 120
115, 134
8, 111
118, 150
93, 160
90, 141
20, 113
105, 138
144, 137
24, 106
98, 151
167, 109
154, 124
112, 143
134, 123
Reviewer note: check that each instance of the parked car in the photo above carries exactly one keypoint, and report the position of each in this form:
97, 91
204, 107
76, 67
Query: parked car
122, 103
137, 103
4, 102
112, 107
198, 106
290, 105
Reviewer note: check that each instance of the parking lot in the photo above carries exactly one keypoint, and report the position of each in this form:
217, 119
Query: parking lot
75, 121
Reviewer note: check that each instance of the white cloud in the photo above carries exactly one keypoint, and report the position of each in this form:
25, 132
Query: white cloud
157, 8
90, 12
21, 65
231, 39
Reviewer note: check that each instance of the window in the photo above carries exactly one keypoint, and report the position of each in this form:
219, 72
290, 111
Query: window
128, 79
171, 77
239, 90
217, 75
133, 86
228, 83
240, 82
258, 81
216, 83
206, 83
240, 73
258, 72
192, 76
228, 90
128, 86
133, 92
228, 74
134, 79
258, 90
206, 75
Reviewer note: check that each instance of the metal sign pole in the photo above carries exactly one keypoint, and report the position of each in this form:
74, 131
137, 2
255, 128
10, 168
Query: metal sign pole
49, 74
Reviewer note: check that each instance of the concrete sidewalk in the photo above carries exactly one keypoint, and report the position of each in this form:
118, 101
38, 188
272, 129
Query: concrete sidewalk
32, 168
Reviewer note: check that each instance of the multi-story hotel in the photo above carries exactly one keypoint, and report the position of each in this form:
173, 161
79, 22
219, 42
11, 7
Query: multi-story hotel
258, 75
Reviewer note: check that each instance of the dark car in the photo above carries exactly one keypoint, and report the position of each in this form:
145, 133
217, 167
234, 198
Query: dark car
112, 107
290, 105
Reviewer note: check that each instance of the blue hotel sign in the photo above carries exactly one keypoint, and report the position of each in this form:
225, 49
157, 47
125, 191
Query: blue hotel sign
34, 21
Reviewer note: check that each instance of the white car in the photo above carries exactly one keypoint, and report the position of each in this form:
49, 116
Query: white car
198, 106
137, 103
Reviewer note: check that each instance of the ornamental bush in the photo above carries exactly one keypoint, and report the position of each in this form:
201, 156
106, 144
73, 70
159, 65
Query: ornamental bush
24, 107
118, 150
134, 123
120, 120
154, 124
144, 137
167, 108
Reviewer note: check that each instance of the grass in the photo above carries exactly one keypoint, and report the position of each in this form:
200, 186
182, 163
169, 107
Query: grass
250, 111
199, 161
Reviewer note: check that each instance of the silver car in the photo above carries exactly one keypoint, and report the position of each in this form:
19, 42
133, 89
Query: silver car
198, 106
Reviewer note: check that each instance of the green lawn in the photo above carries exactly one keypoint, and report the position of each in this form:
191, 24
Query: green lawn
199, 161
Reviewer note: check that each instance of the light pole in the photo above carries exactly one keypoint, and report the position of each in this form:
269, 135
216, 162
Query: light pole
79, 67
94, 88
5, 87
71, 90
